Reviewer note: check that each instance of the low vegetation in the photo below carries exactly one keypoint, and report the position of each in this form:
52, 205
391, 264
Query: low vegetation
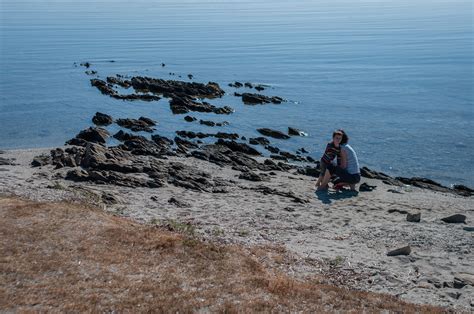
70, 257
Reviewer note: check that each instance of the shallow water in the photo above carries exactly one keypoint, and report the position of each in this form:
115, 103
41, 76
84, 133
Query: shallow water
397, 75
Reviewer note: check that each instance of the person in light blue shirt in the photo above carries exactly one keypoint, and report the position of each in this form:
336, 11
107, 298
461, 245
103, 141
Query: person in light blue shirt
347, 172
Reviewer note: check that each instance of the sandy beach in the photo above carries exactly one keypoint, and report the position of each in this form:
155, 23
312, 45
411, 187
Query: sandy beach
343, 235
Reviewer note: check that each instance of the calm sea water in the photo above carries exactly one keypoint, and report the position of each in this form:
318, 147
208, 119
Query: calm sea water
397, 75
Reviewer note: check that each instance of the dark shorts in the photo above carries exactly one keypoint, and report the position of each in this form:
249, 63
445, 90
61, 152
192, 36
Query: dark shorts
343, 175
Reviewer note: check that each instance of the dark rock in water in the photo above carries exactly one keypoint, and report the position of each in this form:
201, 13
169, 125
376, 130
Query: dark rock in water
236, 84
190, 76
178, 203
85, 64
208, 123
296, 132
259, 141
414, 217
88, 72
119, 82
169, 87
190, 119
273, 133
102, 119
278, 157
162, 141
107, 89
224, 110
372, 174
364, 187
191, 134
272, 149
124, 136
406, 250
142, 124
239, 147
253, 99
185, 104
41, 160
148, 121
259, 88
455, 219
311, 159
237, 95
248, 84
224, 135
92, 134
463, 190
251, 176
291, 156
302, 150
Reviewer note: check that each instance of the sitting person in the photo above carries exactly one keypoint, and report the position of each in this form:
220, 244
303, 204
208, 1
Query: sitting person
348, 171
333, 151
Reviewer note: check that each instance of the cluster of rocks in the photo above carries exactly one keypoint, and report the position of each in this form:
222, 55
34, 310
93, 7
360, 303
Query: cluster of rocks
183, 95
258, 99
237, 84
423, 183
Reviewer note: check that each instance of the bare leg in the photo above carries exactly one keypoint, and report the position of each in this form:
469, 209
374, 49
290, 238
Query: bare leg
325, 181
353, 187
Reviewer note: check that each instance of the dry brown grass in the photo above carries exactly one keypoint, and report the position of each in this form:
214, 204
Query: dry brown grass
69, 257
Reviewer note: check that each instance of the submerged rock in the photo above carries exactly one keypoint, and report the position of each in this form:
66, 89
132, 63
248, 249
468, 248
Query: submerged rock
273, 133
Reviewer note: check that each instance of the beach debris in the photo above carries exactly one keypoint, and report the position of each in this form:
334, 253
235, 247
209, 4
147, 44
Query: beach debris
137, 125
296, 132
406, 250
254, 99
455, 219
364, 187
413, 217
102, 119
273, 133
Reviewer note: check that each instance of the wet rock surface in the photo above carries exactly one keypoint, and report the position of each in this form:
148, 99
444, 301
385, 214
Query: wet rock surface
273, 133
102, 119
141, 124
257, 99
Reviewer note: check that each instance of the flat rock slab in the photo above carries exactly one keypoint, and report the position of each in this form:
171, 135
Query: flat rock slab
455, 219
406, 250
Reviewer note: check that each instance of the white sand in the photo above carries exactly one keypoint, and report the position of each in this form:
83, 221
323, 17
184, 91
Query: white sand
350, 232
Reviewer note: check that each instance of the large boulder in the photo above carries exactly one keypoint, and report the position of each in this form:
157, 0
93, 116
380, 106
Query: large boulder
92, 134
102, 119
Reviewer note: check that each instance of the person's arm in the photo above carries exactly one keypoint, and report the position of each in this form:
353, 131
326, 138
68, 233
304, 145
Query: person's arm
343, 159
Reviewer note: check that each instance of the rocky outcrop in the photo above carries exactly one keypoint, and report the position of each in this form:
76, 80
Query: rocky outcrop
92, 135
141, 124
102, 119
239, 147
255, 99
296, 132
107, 89
273, 133
259, 141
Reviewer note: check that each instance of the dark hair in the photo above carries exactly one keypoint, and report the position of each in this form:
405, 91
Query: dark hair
344, 139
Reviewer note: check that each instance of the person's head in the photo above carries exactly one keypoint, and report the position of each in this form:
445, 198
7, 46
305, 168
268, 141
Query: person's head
340, 137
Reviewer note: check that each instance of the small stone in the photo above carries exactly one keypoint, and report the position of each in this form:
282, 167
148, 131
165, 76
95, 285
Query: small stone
455, 219
414, 217
463, 279
406, 250
470, 229
364, 187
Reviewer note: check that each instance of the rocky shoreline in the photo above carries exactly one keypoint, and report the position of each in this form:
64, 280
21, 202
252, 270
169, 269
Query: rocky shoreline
403, 236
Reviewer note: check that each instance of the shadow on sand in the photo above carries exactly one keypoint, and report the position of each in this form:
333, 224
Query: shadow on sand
327, 197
